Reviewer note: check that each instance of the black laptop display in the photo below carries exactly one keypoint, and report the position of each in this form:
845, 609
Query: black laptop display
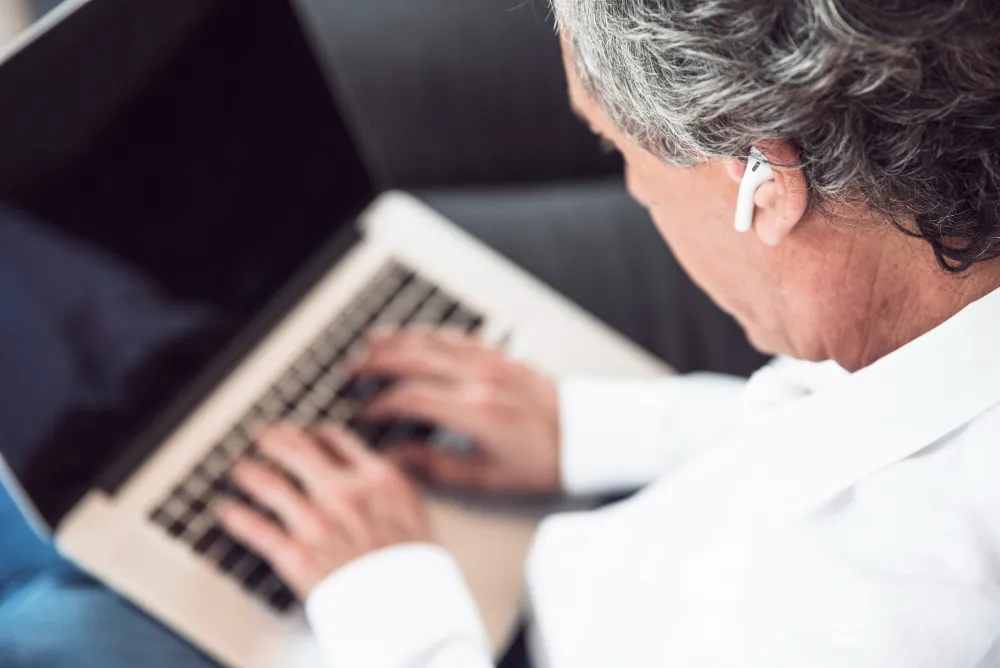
154, 201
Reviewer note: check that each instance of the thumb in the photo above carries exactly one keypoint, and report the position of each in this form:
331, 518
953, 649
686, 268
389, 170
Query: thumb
441, 467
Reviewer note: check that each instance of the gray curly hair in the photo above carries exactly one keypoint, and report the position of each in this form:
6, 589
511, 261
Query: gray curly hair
894, 104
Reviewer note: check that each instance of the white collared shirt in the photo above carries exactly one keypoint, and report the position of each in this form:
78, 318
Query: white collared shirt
797, 520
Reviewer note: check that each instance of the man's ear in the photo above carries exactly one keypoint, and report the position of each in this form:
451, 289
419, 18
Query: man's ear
781, 203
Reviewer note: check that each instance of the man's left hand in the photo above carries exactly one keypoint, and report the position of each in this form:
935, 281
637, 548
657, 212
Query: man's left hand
352, 502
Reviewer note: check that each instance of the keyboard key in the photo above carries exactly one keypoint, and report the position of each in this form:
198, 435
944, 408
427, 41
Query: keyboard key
161, 518
364, 389
176, 507
222, 546
450, 308
232, 559
272, 407
289, 388
218, 464
402, 274
283, 600
406, 431
197, 486
207, 540
176, 528
222, 486
257, 575
198, 506
378, 433
247, 565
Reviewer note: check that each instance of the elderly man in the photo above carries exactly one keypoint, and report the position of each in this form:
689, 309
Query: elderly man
840, 509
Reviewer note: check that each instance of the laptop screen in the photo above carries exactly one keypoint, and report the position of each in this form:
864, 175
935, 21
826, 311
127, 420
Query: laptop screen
171, 165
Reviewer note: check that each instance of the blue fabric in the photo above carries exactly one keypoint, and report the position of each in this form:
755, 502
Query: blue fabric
52, 615
22, 554
59, 620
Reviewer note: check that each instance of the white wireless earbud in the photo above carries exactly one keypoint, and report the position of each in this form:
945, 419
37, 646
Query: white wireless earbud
758, 172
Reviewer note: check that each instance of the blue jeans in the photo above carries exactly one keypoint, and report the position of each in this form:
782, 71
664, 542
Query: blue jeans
52, 615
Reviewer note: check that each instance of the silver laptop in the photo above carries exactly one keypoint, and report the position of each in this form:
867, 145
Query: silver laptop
195, 144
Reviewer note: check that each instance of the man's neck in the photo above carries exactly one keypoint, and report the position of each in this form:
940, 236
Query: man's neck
904, 305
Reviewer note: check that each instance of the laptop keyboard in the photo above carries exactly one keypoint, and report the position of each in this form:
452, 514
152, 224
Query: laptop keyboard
315, 389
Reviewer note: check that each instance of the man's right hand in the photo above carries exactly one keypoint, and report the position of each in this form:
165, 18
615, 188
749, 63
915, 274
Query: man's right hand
509, 410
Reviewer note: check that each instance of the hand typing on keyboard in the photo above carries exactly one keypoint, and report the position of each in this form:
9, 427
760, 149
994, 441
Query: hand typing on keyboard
510, 411
349, 502
315, 389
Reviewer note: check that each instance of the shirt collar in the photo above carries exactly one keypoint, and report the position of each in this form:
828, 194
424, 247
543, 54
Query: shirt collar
788, 461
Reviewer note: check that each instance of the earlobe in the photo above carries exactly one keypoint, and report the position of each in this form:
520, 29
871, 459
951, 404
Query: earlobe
769, 222
779, 209
781, 202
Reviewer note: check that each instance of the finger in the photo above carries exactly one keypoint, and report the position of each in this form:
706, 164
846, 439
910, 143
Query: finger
411, 361
342, 497
378, 485
276, 493
347, 446
459, 339
290, 559
439, 347
469, 408
300, 455
441, 467
411, 353
471, 357
330, 484
451, 339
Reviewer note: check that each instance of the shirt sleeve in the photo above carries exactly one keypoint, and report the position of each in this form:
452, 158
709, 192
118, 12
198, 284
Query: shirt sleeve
402, 607
620, 435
